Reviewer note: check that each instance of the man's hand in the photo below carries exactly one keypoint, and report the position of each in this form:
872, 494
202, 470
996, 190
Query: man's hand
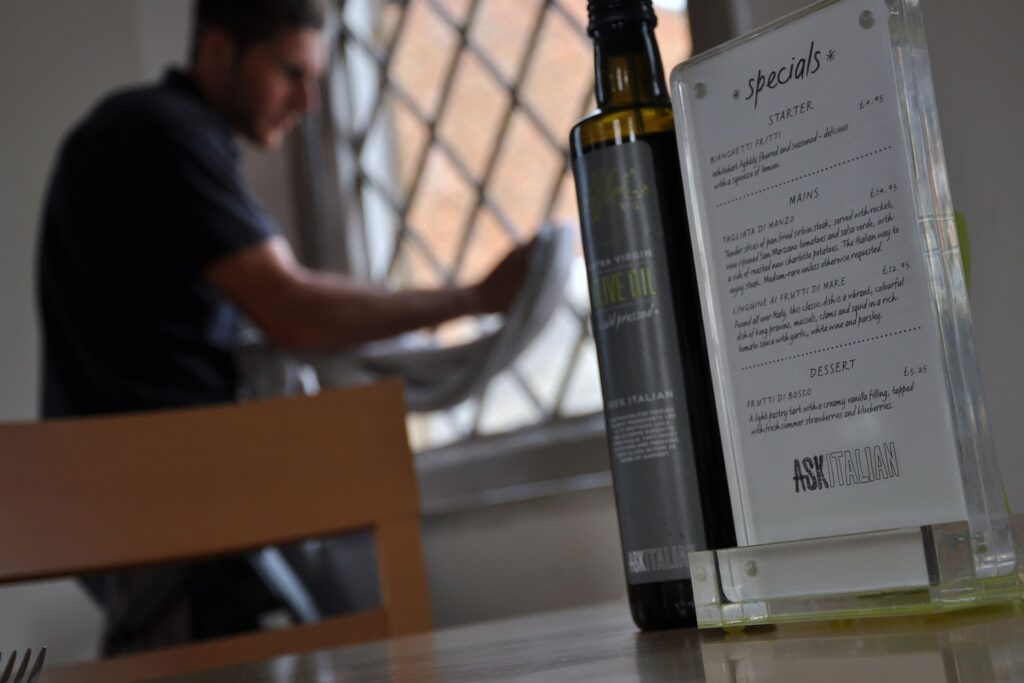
496, 292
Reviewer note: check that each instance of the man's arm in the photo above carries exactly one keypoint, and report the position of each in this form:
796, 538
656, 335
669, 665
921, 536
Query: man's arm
302, 309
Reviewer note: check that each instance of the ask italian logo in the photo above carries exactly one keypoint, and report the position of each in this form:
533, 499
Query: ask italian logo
846, 467
798, 68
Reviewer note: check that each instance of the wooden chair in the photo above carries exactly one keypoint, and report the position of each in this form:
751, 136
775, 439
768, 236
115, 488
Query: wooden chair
86, 495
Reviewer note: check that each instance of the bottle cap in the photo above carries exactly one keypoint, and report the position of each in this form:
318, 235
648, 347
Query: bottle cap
604, 12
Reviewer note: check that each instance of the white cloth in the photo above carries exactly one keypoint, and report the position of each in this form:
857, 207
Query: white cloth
435, 377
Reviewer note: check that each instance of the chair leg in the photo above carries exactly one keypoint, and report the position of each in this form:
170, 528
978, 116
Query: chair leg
403, 577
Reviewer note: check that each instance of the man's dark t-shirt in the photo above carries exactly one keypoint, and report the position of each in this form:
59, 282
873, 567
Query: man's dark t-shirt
147, 192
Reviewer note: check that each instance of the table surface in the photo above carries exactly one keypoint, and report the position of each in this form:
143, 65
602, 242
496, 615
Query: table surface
600, 644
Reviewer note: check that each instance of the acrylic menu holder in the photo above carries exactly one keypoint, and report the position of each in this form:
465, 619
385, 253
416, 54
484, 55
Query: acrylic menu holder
861, 469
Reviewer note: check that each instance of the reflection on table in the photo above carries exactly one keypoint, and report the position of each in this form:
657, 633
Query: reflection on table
600, 644
972, 646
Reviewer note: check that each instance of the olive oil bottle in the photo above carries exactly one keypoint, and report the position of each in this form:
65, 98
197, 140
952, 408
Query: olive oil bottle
659, 403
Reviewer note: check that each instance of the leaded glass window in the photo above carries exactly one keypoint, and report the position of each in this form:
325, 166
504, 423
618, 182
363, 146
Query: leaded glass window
452, 120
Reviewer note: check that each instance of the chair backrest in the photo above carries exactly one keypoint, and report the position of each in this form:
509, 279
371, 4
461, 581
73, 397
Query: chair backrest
96, 494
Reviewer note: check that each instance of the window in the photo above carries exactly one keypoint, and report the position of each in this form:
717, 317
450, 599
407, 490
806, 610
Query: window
451, 122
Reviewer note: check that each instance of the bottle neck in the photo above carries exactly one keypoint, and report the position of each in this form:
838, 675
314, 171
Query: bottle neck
628, 65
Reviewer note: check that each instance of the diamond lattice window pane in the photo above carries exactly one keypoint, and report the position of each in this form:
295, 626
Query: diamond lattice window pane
362, 93
379, 156
433, 430
487, 242
502, 31
560, 76
565, 210
390, 16
412, 138
527, 169
457, 10
575, 11
576, 292
422, 57
459, 331
373, 22
380, 212
583, 392
362, 17
471, 123
441, 207
414, 267
516, 408
547, 361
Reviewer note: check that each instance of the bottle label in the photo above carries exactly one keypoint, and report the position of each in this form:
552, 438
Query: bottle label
648, 426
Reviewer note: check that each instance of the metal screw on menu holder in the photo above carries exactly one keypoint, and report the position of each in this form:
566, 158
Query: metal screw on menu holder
867, 19
700, 90
751, 568
700, 573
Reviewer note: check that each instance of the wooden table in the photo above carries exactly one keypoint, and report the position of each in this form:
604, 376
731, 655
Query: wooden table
600, 644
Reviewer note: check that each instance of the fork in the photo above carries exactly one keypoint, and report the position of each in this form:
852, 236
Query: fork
20, 677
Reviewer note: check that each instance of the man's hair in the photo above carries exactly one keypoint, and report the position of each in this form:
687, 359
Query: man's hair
251, 22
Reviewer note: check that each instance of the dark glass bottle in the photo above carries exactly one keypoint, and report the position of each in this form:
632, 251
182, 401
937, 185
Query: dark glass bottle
663, 436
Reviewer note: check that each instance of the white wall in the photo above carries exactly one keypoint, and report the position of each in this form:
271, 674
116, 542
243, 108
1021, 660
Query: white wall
55, 56
523, 557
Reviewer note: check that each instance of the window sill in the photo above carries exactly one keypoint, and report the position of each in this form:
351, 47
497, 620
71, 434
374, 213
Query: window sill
531, 463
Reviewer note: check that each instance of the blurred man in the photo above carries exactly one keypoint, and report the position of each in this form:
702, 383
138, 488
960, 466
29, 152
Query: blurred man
152, 242
152, 245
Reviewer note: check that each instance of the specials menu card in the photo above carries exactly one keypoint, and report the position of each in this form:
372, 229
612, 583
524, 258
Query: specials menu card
816, 280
